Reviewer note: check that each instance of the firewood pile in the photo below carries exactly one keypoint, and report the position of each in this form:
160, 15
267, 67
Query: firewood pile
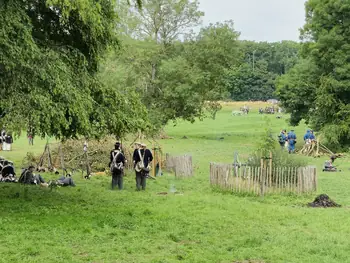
71, 156
317, 149
323, 200
97, 155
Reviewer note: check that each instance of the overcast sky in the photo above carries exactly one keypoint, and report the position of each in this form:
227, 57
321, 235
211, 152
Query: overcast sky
260, 20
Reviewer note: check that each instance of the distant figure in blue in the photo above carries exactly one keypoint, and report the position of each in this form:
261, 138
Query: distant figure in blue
312, 136
282, 137
292, 140
307, 137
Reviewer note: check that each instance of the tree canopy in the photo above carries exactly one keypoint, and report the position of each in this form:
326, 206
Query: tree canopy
50, 55
97, 67
262, 62
318, 88
168, 64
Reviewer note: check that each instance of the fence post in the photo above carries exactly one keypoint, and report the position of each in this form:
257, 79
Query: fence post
315, 178
270, 175
154, 161
256, 180
262, 181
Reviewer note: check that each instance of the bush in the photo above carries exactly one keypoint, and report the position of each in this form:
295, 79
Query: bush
98, 154
279, 159
30, 159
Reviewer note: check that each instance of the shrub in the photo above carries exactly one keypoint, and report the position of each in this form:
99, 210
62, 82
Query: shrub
279, 159
30, 159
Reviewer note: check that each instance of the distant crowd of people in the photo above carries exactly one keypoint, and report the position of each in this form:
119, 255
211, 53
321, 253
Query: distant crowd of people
6, 140
289, 140
142, 157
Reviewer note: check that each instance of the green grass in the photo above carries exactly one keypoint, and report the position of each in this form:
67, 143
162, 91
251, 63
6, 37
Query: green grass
91, 223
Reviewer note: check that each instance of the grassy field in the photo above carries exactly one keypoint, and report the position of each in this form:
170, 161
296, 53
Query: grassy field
91, 223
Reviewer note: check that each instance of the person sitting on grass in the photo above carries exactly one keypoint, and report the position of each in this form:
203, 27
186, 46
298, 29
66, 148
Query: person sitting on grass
66, 181
63, 181
8, 173
28, 177
328, 165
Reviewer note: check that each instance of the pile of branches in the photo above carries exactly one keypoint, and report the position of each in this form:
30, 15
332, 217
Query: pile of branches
71, 156
316, 149
97, 155
30, 159
323, 200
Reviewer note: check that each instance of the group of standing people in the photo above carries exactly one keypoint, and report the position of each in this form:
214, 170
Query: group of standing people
287, 140
309, 137
6, 140
142, 157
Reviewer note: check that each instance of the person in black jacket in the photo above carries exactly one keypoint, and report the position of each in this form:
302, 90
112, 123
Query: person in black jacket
144, 156
148, 157
8, 172
9, 141
135, 154
117, 163
28, 177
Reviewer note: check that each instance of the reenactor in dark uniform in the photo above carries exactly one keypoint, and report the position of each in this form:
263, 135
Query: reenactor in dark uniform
142, 168
134, 156
28, 177
8, 172
9, 142
117, 163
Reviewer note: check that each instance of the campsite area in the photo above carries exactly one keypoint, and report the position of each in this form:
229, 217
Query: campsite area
191, 223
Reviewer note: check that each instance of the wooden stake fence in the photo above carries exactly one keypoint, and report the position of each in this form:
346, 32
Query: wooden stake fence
264, 180
180, 165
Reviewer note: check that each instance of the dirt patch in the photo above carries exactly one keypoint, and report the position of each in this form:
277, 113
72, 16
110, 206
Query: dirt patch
323, 200
166, 193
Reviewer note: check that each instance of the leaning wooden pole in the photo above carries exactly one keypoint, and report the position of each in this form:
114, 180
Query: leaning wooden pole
154, 161
63, 167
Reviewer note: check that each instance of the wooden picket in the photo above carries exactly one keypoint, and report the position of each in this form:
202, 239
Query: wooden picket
181, 165
264, 180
